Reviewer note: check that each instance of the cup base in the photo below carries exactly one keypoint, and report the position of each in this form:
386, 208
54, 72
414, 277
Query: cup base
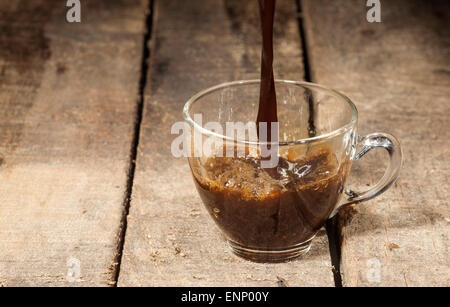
270, 255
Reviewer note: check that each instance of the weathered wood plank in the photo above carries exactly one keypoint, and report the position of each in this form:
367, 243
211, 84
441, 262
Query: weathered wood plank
170, 238
68, 96
398, 73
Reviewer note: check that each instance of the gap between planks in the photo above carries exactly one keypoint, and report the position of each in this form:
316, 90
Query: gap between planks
331, 228
135, 141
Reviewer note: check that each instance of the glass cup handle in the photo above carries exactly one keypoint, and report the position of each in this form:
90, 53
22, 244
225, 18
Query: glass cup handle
392, 145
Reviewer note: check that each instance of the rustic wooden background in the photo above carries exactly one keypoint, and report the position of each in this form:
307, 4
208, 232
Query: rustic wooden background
85, 114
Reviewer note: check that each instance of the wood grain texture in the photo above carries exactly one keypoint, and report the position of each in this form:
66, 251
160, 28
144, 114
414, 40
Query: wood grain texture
398, 74
68, 96
170, 239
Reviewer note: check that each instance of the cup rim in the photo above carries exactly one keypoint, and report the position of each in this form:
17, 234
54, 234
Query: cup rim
321, 137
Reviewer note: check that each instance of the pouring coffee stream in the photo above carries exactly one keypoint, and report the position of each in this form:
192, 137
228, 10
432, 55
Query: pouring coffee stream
267, 111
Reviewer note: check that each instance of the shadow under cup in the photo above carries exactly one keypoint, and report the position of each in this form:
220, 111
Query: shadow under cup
271, 214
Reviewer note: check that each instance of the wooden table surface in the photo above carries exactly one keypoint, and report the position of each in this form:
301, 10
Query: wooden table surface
87, 180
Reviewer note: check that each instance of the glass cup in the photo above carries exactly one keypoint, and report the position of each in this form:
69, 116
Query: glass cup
271, 213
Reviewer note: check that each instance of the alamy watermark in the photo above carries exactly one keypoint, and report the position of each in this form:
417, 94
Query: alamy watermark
74, 12
231, 139
373, 273
374, 13
73, 270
